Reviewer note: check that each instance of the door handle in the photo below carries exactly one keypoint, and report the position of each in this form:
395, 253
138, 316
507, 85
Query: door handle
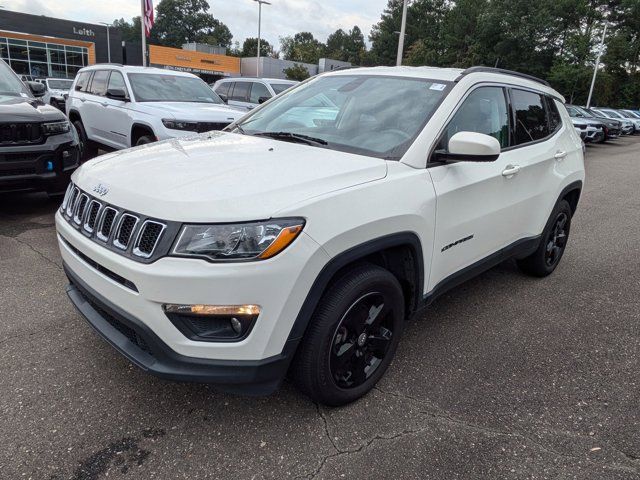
510, 171
560, 155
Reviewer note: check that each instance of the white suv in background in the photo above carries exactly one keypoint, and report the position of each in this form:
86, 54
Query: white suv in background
304, 245
56, 89
248, 93
119, 107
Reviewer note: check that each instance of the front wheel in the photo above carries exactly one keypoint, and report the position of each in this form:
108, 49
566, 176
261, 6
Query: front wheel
86, 147
546, 258
143, 140
352, 337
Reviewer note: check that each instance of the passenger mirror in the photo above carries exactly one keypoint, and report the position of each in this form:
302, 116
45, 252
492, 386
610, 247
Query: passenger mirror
117, 94
37, 89
223, 97
261, 100
472, 147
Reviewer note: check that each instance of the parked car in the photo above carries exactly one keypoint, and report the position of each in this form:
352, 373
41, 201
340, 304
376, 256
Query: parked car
631, 117
263, 248
56, 88
613, 127
119, 107
248, 93
38, 146
591, 131
28, 78
626, 124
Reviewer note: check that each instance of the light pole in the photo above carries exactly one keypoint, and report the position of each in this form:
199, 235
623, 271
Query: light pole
108, 42
403, 27
595, 69
260, 2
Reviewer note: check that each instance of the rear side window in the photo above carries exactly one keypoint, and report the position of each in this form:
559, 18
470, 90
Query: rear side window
241, 92
99, 82
483, 111
223, 88
555, 121
530, 116
258, 90
83, 81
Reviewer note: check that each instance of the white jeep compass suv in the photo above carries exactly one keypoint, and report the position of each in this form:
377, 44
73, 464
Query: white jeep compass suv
120, 107
302, 238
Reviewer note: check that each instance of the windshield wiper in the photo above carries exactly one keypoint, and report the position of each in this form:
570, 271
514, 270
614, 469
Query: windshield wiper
295, 137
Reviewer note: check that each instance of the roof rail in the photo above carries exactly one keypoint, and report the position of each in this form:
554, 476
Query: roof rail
502, 71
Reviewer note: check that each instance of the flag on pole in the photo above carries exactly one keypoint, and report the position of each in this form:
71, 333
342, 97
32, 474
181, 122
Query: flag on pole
148, 17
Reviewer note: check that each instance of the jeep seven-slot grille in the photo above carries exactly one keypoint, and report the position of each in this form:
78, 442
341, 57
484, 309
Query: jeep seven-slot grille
118, 230
20, 133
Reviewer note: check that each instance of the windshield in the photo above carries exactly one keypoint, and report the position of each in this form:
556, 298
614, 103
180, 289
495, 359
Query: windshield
369, 115
611, 113
156, 87
574, 112
10, 85
280, 87
59, 84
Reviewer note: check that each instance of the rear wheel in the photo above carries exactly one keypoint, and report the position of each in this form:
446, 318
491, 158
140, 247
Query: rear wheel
352, 337
552, 245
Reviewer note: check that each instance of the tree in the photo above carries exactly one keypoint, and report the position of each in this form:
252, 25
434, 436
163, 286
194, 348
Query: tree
347, 46
181, 21
302, 47
130, 31
250, 48
296, 72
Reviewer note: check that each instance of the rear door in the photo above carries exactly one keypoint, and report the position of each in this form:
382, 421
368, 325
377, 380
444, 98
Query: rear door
239, 95
92, 110
115, 121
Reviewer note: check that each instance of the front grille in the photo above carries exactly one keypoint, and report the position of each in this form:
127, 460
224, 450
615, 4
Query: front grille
106, 223
125, 230
148, 238
140, 238
20, 133
209, 126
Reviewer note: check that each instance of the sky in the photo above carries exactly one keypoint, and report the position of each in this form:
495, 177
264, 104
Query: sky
282, 18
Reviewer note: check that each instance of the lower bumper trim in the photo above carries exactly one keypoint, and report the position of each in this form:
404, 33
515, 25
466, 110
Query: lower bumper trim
142, 347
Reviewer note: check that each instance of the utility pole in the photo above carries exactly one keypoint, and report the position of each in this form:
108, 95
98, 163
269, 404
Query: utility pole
260, 2
108, 41
403, 27
595, 69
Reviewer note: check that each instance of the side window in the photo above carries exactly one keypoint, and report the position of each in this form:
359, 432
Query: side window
99, 82
223, 88
258, 90
530, 116
116, 80
483, 111
555, 120
241, 92
83, 81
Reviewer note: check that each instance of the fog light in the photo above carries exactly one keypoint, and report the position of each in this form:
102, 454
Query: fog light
213, 323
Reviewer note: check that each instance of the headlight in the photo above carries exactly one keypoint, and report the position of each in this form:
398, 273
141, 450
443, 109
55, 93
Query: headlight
56, 128
180, 125
240, 241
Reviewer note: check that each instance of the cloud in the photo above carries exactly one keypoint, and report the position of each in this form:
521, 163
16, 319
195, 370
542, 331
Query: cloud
282, 18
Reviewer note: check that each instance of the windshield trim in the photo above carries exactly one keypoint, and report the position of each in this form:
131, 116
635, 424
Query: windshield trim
398, 151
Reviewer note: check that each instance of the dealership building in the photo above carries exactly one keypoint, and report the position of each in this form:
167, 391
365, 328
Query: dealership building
51, 47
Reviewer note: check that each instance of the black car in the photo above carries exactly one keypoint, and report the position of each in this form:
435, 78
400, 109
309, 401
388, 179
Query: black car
38, 144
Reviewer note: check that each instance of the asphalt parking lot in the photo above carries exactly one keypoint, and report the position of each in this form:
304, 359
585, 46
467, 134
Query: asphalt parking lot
505, 377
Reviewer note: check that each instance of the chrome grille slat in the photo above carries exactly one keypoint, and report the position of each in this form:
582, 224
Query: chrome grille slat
147, 240
124, 231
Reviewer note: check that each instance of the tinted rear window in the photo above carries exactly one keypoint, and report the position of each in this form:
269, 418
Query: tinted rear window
99, 82
241, 92
531, 118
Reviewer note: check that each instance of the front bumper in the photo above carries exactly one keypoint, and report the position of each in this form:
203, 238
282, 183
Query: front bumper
39, 167
137, 342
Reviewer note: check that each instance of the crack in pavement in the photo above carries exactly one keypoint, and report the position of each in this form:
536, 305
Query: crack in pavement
37, 252
438, 414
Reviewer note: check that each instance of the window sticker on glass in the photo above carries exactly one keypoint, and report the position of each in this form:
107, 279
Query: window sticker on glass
437, 86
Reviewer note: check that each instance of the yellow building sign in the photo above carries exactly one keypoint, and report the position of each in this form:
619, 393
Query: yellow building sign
193, 62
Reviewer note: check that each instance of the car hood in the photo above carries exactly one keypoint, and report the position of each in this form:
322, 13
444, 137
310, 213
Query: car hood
222, 177
586, 121
192, 111
23, 109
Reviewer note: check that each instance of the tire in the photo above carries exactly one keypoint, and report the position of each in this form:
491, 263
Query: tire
143, 140
554, 240
351, 338
87, 148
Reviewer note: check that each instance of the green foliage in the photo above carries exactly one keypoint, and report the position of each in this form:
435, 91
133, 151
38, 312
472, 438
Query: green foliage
130, 31
181, 21
296, 72
250, 48
347, 46
302, 47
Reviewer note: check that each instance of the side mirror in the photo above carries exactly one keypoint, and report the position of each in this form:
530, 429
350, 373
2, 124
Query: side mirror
117, 94
261, 100
472, 147
223, 97
36, 88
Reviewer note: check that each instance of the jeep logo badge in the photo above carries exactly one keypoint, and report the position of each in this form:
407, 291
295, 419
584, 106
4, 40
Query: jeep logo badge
101, 189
